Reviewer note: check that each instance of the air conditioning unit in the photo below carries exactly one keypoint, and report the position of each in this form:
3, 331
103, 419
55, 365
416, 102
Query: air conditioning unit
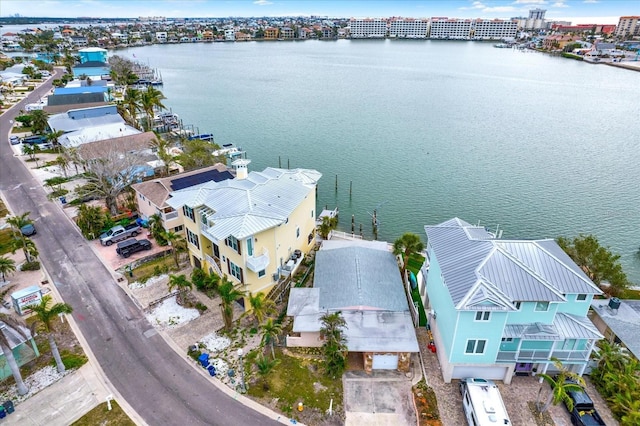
276, 276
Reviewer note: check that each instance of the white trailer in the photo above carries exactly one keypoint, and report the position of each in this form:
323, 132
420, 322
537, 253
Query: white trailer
482, 403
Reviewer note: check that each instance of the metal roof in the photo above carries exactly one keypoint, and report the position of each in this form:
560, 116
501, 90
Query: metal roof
521, 270
623, 322
97, 133
84, 118
359, 277
565, 326
244, 207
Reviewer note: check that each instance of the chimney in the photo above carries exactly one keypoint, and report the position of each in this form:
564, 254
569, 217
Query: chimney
240, 165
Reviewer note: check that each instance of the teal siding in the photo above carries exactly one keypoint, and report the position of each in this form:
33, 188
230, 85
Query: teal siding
528, 315
509, 346
441, 303
576, 307
470, 329
536, 344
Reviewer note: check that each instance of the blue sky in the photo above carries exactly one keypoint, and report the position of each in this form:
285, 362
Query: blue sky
577, 11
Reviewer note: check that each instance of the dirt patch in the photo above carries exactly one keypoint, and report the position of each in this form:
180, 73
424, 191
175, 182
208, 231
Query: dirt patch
541, 419
426, 405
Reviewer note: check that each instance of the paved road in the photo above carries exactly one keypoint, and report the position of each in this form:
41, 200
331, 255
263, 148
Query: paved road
150, 376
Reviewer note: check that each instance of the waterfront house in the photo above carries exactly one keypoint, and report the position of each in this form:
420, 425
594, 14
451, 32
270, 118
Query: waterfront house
558, 42
152, 195
250, 227
287, 33
240, 36
619, 322
271, 33
504, 307
92, 54
361, 280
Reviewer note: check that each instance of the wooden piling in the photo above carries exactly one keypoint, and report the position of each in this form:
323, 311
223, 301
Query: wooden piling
279, 162
353, 223
336, 183
350, 188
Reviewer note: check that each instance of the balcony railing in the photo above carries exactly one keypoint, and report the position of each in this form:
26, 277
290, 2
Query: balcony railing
258, 263
214, 264
542, 354
170, 216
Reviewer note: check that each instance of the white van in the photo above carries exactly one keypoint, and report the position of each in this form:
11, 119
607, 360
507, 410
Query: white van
482, 403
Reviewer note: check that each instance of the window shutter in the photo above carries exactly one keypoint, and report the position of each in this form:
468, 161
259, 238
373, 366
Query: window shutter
228, 267
241, 275
239, 245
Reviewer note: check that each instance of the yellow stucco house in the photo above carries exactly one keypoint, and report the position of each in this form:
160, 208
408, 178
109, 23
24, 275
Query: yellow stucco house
250, 228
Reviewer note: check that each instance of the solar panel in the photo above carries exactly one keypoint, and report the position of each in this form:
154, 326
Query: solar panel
210, 175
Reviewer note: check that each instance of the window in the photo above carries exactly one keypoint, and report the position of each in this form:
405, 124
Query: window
542, 306
507, 339
203, 218
261, 273
475, 346
483, 315
298, 232
311, 213
581, 297
518, 305
250, 246
188, 212
235, 270
178, 228
232, 242
193, 238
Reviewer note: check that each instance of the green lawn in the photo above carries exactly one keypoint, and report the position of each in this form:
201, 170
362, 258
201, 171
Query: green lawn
414, 265
101, 415
6, 239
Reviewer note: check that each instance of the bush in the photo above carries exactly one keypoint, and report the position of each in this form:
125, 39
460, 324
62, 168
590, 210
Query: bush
199, 278
194, 352
30, 266
201, 307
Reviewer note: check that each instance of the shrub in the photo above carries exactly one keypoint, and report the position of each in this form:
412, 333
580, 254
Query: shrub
30, 266
201, 307
199, 278
194, 352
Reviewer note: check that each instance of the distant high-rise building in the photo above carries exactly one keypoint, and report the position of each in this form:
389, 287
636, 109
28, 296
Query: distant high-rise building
537, 13
628, 26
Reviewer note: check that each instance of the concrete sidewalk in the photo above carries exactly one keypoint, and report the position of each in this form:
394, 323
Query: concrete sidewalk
63, 402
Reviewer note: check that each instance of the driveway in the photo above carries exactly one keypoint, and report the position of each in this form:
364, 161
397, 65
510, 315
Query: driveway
380, 398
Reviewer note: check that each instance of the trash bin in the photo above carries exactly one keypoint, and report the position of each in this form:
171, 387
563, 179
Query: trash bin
63, 200
8, 406
204, 360
212, 370
3, 413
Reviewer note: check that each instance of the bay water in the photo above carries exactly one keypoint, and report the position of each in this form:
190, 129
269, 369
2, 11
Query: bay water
423, 131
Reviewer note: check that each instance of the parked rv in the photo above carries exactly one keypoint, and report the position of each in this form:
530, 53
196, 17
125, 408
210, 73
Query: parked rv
482, 403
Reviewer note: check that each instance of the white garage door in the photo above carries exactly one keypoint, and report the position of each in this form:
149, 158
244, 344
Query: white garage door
385, 362
489, 373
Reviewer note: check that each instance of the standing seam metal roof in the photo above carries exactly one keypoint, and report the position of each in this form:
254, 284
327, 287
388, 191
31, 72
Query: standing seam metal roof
243, 207
523, 270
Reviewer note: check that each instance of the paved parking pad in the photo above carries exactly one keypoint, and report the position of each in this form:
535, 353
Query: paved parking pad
381, 398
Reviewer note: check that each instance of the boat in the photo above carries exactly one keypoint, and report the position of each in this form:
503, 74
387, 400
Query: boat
229, 151
205, 137
502, 46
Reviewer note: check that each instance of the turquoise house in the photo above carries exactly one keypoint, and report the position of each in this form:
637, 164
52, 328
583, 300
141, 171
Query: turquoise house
92, 54
23, 350
499, 308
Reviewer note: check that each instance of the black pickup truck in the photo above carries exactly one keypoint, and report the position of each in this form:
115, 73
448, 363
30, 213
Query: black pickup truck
584, 413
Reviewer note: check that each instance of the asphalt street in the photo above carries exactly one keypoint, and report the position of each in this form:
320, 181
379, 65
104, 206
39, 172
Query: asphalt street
160, 386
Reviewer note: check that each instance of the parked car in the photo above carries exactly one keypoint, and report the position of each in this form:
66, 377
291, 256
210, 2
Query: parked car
119, 233
15, 140
28, 230
584, 413
128, 247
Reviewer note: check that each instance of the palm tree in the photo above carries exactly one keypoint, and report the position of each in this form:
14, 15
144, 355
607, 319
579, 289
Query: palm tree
270, 332
17, 222
335, 343
561, 384
265, 365
182, 284
54, 137
228, 295
39, 121
328, 223
177, 243
6, 265
45, 314
261, 306
407, 245
161, 147
151, 99
8, 322
63, 162
132, 99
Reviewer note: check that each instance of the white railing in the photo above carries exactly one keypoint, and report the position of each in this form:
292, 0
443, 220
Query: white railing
211, 261
343, 235
260, 262
170, 215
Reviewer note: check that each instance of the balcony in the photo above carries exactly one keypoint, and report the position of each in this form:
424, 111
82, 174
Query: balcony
211, 261
258, 263
169, 216
529, 355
